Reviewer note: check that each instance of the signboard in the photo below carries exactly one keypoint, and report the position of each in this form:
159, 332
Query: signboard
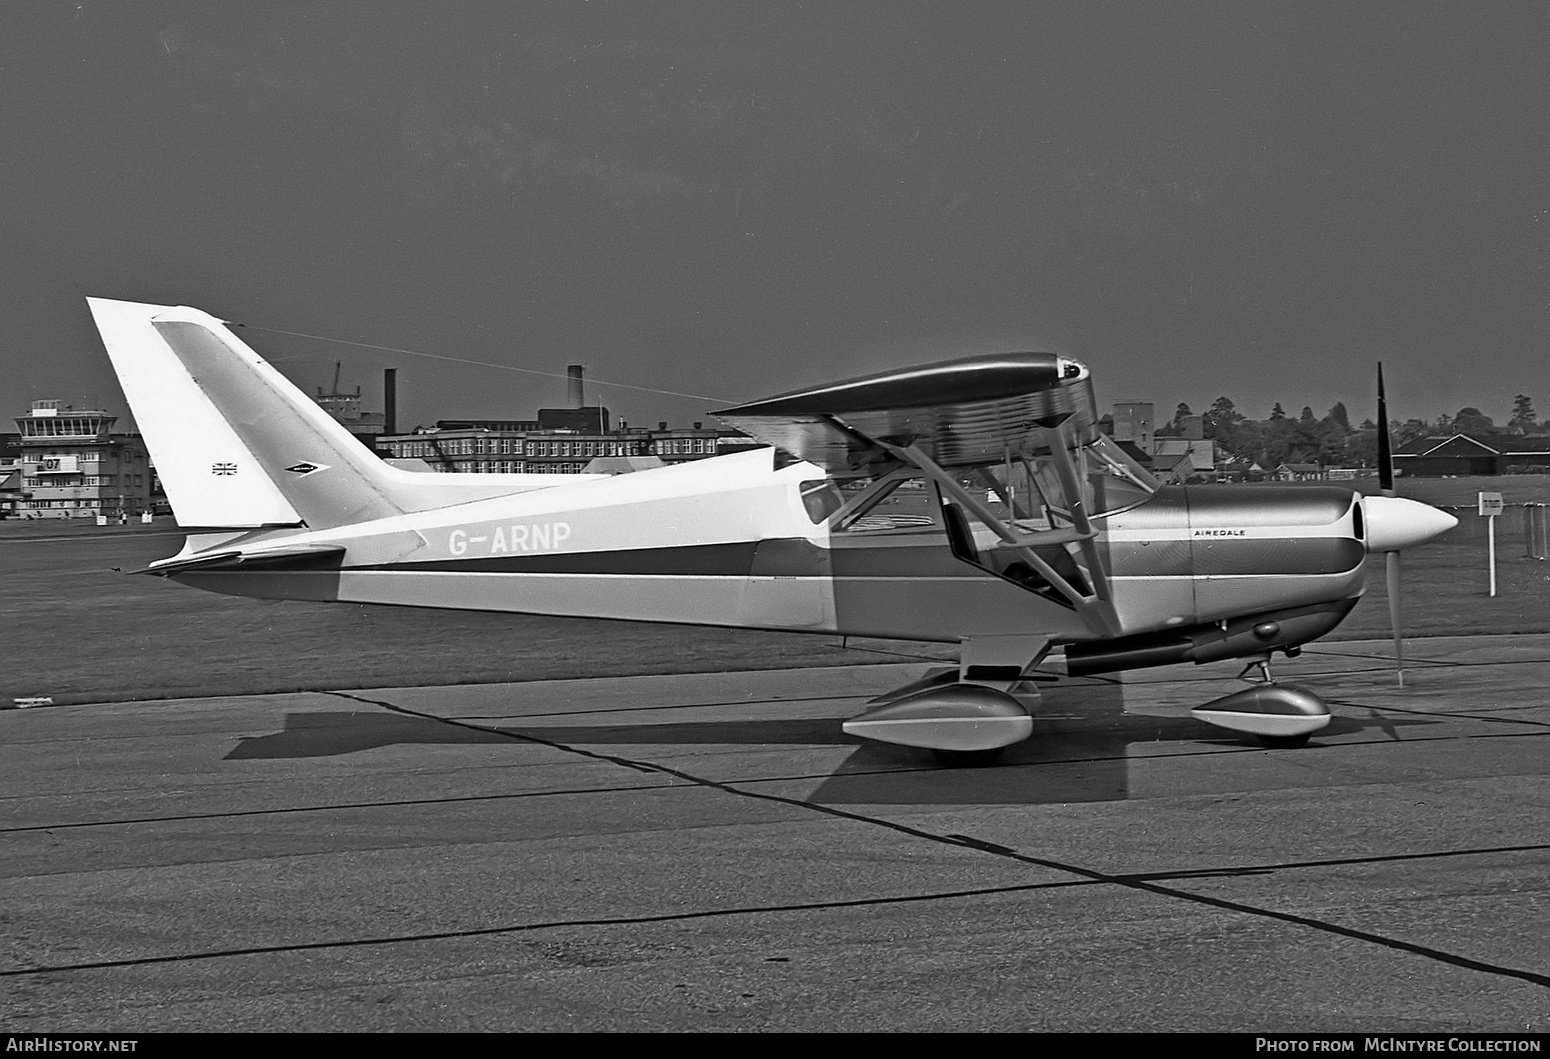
59, 465
1490, 504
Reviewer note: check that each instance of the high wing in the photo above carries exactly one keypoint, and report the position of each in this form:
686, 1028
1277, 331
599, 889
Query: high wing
958, 412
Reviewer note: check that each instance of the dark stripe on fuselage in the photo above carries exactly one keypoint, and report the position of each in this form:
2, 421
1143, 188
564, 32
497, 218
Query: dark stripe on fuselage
1202, 557
1224, 557
786, 557
693, 560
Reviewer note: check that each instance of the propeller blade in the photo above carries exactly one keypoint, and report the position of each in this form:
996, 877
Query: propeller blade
1396, 616
1391, 560
1385, 443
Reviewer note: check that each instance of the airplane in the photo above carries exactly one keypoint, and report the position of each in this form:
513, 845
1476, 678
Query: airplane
972, 501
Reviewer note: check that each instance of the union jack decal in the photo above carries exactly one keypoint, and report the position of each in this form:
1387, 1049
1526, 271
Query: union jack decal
223, 468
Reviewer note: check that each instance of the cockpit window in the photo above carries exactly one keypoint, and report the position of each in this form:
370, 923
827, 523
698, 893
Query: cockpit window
896, 502
822, 498
1029, 517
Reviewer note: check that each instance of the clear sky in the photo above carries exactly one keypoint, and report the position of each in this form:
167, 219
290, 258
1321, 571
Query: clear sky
731, 199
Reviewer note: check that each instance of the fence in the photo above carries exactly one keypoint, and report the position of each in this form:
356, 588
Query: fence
1532, 525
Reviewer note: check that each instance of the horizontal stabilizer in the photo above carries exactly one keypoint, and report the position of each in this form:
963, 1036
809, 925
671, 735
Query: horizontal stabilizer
296, 556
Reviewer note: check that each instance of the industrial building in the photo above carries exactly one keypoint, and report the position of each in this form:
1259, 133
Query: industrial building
1134, 422
497, 447
346, 408
560, 441
1169, 455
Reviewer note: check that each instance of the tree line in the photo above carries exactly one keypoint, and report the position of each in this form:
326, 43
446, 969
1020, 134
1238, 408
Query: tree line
1331, 441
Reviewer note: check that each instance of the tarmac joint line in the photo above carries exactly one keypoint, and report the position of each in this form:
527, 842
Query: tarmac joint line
1133, 882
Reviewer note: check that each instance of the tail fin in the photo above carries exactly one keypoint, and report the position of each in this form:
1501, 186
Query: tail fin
238, 446
212, 477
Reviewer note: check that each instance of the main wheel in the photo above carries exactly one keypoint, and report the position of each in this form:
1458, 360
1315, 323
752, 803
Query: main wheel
1284, 742
969, 759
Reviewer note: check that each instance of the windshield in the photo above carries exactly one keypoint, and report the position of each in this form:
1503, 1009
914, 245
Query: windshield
1025, 492
1110, 481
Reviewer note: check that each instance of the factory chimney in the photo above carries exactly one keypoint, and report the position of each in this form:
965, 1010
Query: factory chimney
573, 385
390, 400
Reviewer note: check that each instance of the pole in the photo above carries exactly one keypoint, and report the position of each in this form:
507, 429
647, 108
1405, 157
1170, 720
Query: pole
1491, 530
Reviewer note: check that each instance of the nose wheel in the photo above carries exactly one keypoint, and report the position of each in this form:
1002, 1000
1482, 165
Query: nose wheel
969, 759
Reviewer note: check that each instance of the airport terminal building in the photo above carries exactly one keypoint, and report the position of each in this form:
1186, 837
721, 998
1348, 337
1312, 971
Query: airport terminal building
73, 465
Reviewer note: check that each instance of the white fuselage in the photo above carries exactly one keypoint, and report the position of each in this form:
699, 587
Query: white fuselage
727, 542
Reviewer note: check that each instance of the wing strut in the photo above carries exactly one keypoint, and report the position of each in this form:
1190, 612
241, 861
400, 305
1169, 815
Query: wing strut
1066, 471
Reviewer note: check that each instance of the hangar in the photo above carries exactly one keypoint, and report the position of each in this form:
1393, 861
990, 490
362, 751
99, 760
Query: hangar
1473, 454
